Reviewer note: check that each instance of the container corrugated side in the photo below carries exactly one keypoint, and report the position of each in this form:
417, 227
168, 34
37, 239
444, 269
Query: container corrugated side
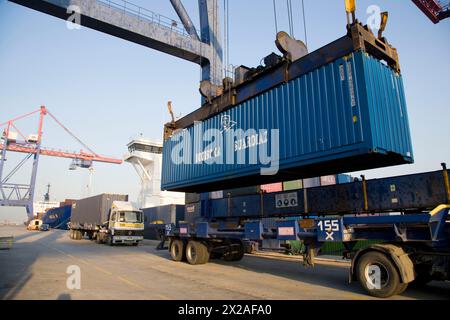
292, 185
58, 217
94, 211
272, 187
348, 115
167, 214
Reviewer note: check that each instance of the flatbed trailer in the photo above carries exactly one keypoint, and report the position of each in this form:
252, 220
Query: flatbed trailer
414, 239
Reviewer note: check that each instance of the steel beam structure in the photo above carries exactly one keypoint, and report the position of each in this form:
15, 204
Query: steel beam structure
138, 25
14, 194
435, 10
22, 195
185, 19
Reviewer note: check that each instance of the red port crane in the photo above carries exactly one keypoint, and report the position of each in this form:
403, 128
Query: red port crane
15, 194
435, 10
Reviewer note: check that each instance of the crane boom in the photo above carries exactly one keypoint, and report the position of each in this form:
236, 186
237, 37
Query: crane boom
15, 147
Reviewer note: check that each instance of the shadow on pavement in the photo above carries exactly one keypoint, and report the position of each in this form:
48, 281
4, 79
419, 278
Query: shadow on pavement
326, 275
330, 276
16, 263
26, 235
64, 296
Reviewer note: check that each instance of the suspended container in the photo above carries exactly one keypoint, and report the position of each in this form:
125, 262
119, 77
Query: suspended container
340, 110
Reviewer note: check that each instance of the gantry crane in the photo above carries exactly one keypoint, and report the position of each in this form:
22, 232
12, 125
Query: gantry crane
435, 10
136, 24
12, 140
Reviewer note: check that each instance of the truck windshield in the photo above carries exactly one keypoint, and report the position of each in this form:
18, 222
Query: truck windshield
130, 216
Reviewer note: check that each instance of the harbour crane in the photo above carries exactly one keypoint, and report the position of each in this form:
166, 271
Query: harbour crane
12, 140
136, 24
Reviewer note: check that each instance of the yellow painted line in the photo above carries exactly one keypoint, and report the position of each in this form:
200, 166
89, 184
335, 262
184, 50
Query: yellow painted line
82, 261
130, 282
102, 270
62, 252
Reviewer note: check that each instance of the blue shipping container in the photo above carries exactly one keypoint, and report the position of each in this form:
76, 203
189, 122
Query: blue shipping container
167, 214
58, 218
344, 178
345, 116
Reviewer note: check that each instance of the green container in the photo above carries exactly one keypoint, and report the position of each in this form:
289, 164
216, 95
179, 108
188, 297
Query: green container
336, 248
292, 185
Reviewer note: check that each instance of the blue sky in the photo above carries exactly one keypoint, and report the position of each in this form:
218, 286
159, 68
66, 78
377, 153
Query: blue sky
108, 90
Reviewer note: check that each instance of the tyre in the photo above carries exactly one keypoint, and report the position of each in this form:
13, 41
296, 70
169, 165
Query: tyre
215, 255
71, 234
251, 248
177, 250
196, 253
401, 288
388, 283
135, 244
236, 253
109, 240
98, 238
77, 235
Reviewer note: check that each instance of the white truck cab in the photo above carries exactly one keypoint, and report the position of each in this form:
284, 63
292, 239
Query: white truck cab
126, 223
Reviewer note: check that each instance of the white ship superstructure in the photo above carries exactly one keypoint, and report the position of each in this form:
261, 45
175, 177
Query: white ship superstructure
146, 157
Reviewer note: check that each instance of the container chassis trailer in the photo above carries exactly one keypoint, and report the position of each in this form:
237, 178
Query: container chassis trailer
414, 232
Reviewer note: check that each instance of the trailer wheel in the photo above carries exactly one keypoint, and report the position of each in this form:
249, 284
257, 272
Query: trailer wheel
77, 235
109, 240
236, 253
98, 238
388, 283
177, 250
197, 253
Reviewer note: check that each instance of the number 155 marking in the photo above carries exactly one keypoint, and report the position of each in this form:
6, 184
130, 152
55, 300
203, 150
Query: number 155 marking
328, 225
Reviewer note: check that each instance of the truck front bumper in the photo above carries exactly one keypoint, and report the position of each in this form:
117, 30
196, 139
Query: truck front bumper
127, 239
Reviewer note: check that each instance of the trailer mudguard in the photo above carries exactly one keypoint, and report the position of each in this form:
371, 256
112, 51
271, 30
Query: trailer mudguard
403, 262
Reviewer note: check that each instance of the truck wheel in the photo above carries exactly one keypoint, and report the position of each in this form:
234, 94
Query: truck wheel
389, 280
109, 240
236, 253
77, 235
215, 255
177, 251
71, 234
197, 253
